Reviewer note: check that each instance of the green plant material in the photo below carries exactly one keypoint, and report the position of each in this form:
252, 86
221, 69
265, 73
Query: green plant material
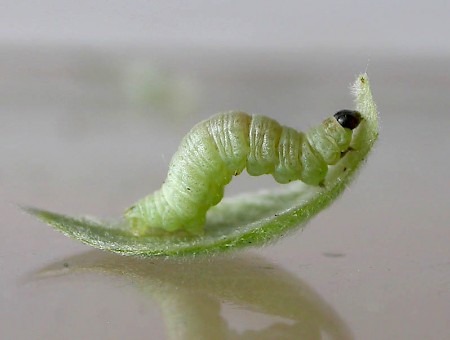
246, 220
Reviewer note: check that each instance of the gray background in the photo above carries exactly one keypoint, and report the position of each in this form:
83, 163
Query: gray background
94, 99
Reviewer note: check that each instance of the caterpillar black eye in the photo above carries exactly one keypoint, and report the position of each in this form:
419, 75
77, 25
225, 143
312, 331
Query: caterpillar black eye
348, 119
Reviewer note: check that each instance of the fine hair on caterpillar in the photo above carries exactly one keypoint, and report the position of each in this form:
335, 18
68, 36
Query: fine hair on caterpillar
223, 146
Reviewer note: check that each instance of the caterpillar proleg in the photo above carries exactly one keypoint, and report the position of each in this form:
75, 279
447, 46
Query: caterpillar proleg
223, 146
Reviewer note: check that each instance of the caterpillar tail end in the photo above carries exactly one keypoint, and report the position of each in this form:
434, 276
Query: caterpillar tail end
139, 226
135, 223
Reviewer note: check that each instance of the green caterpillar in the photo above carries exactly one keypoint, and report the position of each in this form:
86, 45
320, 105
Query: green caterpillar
221, 147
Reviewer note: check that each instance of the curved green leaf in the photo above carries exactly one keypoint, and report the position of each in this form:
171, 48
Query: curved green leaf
241, 221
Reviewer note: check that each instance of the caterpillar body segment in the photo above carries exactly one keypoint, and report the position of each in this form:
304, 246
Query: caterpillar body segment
221, 147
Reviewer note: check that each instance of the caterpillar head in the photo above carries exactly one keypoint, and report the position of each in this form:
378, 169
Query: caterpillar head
339, 128
348, 119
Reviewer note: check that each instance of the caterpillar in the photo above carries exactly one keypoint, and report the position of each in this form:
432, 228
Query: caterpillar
224, 145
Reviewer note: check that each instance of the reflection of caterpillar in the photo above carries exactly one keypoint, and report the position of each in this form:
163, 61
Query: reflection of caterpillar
222, 146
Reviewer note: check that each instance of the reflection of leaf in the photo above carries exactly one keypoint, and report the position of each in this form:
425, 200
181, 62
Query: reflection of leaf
190, 291
238, 222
